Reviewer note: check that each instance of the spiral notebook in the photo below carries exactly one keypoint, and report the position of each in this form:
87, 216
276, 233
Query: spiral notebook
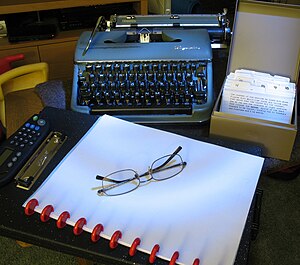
196, 216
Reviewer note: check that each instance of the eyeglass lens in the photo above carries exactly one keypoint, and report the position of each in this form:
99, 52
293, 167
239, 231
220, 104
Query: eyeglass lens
169, 170
120, 182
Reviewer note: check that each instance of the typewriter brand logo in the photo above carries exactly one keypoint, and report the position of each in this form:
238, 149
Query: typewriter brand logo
185, 48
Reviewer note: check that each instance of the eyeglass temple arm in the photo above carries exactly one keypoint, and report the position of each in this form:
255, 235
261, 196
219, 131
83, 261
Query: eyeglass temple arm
165, 163
113, 180
159, 169
170, 158
116, 182
146, 173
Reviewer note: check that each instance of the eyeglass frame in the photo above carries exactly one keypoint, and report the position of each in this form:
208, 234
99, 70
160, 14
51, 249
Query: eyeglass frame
138, 177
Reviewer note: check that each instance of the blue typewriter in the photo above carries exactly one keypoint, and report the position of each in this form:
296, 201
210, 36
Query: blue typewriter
148, 69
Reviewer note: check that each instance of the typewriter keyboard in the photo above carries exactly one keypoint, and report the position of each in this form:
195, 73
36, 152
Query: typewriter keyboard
142, 88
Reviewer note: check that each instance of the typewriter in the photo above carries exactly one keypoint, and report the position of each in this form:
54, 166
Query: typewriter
148, 69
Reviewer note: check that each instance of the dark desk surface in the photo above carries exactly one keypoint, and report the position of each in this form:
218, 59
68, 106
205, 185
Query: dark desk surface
15, 224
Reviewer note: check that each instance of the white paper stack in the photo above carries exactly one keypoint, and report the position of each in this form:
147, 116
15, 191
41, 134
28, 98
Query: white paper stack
259, 95
200, 213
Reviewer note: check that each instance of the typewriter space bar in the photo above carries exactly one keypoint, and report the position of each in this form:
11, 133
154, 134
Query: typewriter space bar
187, 110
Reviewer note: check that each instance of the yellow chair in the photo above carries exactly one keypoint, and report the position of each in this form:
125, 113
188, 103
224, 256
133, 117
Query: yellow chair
17, 86
18, 100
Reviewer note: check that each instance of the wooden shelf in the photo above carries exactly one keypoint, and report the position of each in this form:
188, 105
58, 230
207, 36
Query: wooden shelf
62, 36
18, 6
59, 51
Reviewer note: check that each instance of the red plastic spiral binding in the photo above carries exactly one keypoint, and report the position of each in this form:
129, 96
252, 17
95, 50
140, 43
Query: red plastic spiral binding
77, 230
174, 258
196, 262
113, 243
152, 257
61, 221
45, 214
29, 208
134, 245
95, 236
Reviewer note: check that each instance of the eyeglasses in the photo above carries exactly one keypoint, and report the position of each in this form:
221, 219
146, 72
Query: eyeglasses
126, 180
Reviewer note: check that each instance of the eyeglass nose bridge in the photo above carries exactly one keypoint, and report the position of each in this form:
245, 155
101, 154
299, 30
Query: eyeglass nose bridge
147, 176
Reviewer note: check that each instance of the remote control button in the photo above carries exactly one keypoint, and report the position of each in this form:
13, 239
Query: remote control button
10, 164
18, 154
22, 145
32, 126
37, 127
14, 159
12, 142
35, 118
41, 122
27, 124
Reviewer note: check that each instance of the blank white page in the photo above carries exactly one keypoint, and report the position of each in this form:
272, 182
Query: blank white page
201, 212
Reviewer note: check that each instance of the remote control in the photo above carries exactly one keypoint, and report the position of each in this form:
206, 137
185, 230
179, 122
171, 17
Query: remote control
18, 148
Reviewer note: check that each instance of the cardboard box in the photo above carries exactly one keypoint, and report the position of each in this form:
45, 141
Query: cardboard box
265, 38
